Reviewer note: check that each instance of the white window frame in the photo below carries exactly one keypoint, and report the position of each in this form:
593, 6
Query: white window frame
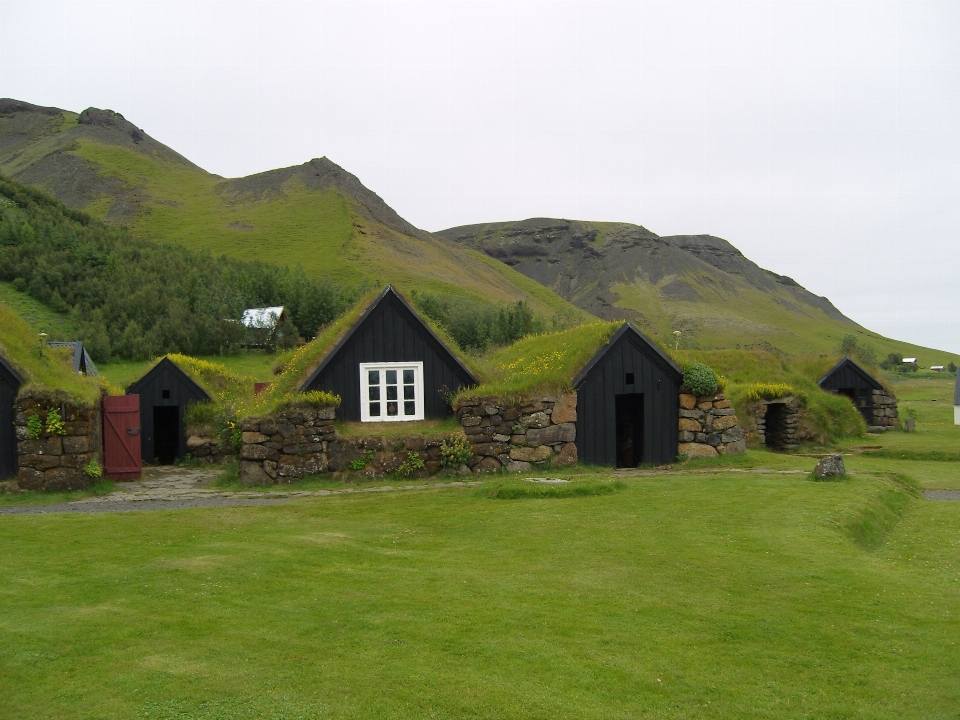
417, 368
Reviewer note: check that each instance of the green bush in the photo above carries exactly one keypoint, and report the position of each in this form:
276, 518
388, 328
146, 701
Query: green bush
93, 470
700, 379
768, 391
410, 465
455, 451
55, 423
34, 427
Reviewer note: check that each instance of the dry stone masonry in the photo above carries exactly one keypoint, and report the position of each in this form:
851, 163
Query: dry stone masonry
303, 441
286, 446
777, 422
520, 435
885, 416
54, 461
709, 427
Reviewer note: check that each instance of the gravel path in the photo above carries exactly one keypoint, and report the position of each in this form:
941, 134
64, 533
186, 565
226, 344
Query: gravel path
942, 494
168, 488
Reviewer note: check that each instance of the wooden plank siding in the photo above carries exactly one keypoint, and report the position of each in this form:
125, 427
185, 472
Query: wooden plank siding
390, 331
605, 377
848, 375
10, 383
181, 390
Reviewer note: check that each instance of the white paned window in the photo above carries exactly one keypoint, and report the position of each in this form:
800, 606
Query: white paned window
391, 391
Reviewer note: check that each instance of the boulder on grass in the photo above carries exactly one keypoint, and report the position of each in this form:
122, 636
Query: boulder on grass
830, 467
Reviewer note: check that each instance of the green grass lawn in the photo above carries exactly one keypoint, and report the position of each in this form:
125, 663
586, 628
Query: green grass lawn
728, 594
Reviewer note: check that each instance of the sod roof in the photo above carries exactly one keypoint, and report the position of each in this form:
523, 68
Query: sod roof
47, 373
298, 366
541, 364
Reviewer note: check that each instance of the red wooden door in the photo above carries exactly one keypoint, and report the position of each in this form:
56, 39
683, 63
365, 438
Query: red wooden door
121, 437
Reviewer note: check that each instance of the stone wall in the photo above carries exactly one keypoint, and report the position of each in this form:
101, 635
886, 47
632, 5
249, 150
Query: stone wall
521, 435
56, 462
204, 446
885, 415
299, 442
709, 427
285, 446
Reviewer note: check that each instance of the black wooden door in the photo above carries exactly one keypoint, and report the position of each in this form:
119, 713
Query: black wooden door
8, 437
629, 410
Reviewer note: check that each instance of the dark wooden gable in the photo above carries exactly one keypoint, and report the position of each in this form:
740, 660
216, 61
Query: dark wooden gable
389, 331
629, 355
166, 385
846, 374
10, 382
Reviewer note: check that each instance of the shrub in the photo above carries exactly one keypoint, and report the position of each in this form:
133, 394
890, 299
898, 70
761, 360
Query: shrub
455, 451
700, 379
410, 465
55, 423
768, 391
93, 470
34, 427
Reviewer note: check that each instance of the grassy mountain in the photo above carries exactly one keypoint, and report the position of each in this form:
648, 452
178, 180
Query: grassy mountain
698, 284
315, 215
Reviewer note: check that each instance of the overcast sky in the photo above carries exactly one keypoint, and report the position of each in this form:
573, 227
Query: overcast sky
819, 138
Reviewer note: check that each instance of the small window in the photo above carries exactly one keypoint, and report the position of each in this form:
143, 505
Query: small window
165, 394
629, 379
391, 391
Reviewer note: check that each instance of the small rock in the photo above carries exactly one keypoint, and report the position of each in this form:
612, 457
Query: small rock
518, 466
830, 466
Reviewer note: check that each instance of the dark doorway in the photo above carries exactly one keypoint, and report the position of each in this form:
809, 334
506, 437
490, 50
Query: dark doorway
775, 430
629, 430
8, 437
166, 433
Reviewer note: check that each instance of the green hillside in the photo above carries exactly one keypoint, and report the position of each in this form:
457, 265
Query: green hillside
699, 285
315, 215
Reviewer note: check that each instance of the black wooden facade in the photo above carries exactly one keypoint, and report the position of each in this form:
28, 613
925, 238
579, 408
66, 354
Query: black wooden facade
628, 403
164, 394
10, 383
390, 331
848, 378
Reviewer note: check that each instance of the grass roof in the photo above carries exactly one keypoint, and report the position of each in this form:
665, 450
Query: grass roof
43, 374
297, 366
540, 364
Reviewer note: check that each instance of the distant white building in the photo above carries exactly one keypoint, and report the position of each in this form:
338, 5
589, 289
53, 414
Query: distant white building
956, 400
909, 361
264, 318
268, 327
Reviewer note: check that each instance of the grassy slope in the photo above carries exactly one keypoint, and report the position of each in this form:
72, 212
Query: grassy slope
748, 318
321, 231
697, 595
40, 317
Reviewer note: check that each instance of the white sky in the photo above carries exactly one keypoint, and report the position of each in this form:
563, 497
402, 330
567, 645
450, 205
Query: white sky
819, 138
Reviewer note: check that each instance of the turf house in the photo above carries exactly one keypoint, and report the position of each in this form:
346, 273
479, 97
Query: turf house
165, 391
50, 428
849, 379
10, 382
82, 362
627, 403
390, 366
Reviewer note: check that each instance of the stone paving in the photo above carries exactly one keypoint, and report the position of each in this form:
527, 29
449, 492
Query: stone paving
172, 487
